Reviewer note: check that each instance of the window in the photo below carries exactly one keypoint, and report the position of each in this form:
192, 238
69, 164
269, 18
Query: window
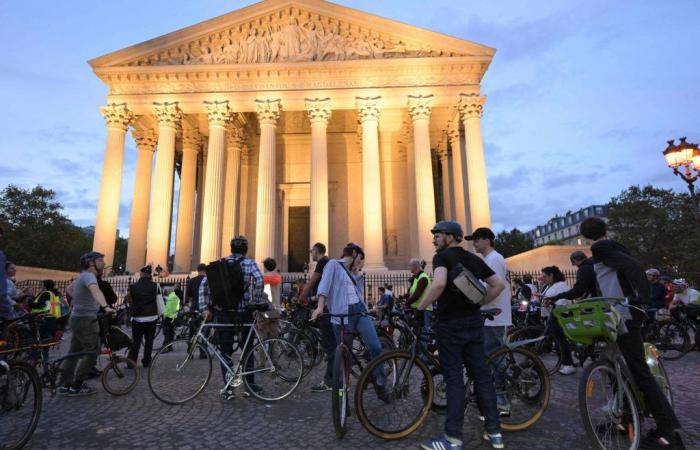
599, 210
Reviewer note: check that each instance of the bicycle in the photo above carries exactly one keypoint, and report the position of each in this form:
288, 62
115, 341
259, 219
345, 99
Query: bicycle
416, 386
182, 369
548, 349
20, 401
614, 419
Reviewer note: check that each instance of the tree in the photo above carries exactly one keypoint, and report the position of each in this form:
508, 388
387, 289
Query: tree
36, 231
509, 243
657, 226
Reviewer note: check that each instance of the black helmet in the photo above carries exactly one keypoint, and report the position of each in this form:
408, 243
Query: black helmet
449, 227
239, 244
89, 256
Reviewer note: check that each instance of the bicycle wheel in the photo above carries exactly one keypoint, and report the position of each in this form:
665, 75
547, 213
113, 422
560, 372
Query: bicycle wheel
548, 349
439, 404
179, 371
673, 340
610, 416
277, 369
120, 376
307, 349
409, 396
340, 403
520, 375
20, 404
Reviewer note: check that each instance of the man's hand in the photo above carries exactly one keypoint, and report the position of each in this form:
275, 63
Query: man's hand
316, 313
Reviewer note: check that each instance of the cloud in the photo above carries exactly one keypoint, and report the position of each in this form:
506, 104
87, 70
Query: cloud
64, 134
565, 179
7, 172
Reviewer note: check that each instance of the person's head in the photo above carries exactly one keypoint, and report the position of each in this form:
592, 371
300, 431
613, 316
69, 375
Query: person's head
49, 285
239, 245
446, 233
93, 262
665, 279
10, 269
389, 287
527, 279
577, 258
178, 286
382, 290
483, 240
201, 269
146, 271
552, 274
593, 228
518, 282
318, 251
653, 275
414, 266
680, 285
354, 256
269, 264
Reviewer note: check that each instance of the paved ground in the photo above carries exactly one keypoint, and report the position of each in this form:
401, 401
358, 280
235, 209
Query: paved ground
302, 421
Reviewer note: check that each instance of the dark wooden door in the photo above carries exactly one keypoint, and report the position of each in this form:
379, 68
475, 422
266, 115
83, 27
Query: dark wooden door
298, 238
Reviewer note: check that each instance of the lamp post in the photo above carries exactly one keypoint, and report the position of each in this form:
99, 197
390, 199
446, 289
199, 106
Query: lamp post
683, 159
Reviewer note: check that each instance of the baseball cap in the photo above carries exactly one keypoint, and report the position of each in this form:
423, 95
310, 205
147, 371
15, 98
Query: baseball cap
481, 233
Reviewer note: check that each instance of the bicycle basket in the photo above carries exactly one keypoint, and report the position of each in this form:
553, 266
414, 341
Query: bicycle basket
585, 322
117, 339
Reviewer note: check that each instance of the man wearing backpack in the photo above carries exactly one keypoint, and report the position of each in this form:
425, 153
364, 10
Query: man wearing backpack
245, 281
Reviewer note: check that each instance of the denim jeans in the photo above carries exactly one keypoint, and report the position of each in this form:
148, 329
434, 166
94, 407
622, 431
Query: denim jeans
493, 338
86, 338
460, 345
427, 316
364, 326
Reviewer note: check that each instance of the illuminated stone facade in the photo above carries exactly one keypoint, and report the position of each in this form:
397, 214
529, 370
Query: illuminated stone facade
293, 122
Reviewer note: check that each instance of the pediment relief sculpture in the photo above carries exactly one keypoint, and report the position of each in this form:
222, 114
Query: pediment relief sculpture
290, 36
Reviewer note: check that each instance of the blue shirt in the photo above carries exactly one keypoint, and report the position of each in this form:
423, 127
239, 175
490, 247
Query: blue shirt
338, 288
252, 285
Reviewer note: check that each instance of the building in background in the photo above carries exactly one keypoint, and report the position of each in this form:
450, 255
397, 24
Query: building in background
564, 230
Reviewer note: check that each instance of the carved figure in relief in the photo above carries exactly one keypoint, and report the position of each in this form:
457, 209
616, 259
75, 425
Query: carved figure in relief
290, 40
231, 53
207, 57
313, 37
334, 48
257, 48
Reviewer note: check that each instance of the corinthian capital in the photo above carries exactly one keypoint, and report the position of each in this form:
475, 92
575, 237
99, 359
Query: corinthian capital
117, 115
145, 139
471, 105
167, 114
419, 106
218, 113
319, 110
268, 111
368, 108
191, 139
452, 132
235, 138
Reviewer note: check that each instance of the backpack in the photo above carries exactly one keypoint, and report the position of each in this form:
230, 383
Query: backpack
226, 283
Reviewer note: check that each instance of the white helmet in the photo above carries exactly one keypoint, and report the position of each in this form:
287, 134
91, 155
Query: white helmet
680, 282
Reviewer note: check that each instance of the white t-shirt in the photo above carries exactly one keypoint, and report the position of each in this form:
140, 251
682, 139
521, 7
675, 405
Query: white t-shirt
496, 262
555, 289
689, 296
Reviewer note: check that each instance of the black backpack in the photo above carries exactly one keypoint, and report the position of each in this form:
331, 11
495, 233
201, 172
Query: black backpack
226, 283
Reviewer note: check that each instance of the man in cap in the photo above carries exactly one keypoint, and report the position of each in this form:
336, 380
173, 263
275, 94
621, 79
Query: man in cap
657, 295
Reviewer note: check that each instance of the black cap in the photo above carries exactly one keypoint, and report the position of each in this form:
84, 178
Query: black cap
481, 233
147, 269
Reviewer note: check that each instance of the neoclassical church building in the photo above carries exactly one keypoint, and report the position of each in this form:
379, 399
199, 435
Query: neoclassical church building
291, 122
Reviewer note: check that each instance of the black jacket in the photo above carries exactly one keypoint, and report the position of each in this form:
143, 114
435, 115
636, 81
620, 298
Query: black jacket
586, 284
143, 298
630, 273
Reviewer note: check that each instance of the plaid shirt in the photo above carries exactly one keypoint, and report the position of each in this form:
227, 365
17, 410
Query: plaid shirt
252, 285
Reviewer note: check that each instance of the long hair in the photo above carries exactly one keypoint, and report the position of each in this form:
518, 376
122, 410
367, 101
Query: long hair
555, 272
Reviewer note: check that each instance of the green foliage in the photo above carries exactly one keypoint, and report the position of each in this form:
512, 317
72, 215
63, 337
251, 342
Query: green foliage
509, 243
36, 231
657, 226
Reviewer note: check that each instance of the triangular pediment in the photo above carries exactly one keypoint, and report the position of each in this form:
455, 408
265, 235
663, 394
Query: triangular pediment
283, 31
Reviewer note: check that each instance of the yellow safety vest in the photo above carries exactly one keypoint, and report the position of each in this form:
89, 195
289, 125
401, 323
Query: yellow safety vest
53, 299
55, 305
413, 288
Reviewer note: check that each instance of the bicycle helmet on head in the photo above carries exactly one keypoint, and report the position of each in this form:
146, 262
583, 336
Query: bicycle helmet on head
89, 256
449, 227
680, 282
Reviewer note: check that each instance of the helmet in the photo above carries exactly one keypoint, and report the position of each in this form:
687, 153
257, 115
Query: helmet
449, 227
351, 247
89, 256
653, 272
680, 282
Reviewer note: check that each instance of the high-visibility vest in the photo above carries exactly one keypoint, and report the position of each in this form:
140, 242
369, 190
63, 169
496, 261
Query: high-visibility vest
55, 305
47, 307
414, 286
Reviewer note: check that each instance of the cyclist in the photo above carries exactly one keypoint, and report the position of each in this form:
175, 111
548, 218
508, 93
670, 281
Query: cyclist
420, 282
657, 291
340, 289
556, 286
685, 295
460, 336
142, 296
252, 293
620, 275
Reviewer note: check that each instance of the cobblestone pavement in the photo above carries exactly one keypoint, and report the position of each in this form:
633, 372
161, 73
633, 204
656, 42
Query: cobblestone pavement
302, 421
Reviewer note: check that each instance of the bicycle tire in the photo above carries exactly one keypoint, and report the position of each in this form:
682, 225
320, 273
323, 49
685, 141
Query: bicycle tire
167, 379
549, 350
340, 403
120, 368
587, 384
306, 347
667, 331
425, 391
285, 373
20, 381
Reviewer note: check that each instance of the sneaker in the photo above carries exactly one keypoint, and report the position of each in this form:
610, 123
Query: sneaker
442, 443
227, 394
321, 387
496, 440
63, 389
567, 370
84, 389
658, 439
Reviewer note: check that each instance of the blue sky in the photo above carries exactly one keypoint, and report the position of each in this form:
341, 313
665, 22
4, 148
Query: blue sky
581, 95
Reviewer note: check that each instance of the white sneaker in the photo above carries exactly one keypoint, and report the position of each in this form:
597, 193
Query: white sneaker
567, 370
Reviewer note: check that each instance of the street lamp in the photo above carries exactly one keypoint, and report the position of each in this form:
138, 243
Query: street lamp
683, 159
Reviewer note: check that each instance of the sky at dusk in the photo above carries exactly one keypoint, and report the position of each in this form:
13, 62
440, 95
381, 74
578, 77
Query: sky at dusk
582, 96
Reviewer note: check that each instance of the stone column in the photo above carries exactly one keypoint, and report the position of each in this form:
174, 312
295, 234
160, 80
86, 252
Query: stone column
471, 107
266, 217
138, 225
219, 115
158, 244
118, 118
235, 142
446, 198
184, 234
373, 229
459, 186
412, 212
319, 113
419, 110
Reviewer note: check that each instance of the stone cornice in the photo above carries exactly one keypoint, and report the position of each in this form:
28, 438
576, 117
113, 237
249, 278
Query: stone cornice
146, 139
117, 115
419, 106
167, 114
218, 112
268, 111
319, 110
368, 108
471, 106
